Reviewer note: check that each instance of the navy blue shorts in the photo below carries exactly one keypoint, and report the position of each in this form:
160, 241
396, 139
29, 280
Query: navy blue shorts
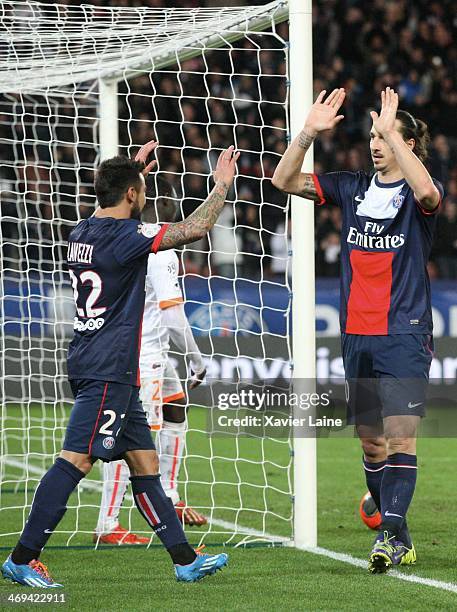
107, 420
386, 375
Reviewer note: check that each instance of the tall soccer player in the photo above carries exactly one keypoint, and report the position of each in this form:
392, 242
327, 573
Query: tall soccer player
107, 260
389, 217
161, 392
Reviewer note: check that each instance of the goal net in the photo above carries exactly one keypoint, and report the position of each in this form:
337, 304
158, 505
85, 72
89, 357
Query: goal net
82, 83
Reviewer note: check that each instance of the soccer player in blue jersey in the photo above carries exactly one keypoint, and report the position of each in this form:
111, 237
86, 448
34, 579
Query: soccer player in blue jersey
389, 217
107, 261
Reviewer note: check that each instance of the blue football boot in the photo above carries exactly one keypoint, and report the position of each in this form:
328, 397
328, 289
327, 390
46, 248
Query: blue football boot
34, 574
204, 565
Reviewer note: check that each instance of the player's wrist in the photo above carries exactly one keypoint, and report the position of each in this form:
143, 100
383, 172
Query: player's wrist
220, 182
197, 368
306, 137
391, 134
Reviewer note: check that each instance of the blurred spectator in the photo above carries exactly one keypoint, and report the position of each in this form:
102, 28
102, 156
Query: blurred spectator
330, 248
410, 88
225, 244
441, 159
252, 244
446, 247
281, 249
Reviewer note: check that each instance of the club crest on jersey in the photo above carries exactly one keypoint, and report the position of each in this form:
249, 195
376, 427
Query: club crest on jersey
172, 268
398, 201
108, 442
147, 230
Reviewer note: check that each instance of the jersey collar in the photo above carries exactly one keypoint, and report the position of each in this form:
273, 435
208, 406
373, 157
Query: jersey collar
388, 185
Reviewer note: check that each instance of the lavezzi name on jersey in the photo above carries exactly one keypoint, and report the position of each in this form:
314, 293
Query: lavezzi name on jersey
374, 241
80, 252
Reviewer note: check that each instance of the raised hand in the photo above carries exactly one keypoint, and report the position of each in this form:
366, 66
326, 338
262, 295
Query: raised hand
323, 115
226, 166
143, 154
385, 121
201, 221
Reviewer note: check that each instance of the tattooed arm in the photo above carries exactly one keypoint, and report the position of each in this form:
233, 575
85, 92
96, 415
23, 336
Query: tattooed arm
323, 116
288, 176
196, 225
199, 222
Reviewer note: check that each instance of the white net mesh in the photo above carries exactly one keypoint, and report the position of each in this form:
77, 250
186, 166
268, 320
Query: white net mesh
196, 80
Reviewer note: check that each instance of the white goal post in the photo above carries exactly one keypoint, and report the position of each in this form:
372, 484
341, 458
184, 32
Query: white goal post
303, 277
83, 54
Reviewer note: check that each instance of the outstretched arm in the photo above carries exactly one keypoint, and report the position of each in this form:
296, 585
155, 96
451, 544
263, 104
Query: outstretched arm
174, 318
323, 116
414, 171
196, 225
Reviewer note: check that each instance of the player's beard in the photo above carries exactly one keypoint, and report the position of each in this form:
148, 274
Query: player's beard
136, 211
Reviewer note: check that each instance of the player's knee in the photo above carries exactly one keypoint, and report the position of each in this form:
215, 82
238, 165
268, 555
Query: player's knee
175, 412
374, 449
83, 462
401, 433
401, 445
142, 462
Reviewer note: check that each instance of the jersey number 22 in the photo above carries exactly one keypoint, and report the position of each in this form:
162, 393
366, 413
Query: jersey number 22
89, 276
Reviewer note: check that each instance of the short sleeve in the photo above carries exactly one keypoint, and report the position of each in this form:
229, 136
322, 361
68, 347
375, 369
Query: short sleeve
334, 187
429, 213
136, 240
163, 272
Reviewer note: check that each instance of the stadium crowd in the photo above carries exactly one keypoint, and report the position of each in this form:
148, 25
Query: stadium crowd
407, 44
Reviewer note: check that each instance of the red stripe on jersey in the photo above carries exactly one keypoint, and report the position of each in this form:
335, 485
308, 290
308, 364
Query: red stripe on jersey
140, 336
158, 238
369, 295
98, 418
319, 190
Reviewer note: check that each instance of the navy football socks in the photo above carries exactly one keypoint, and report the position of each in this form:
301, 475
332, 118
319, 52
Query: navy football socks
48, 507
373, 476
159, 512
397, 490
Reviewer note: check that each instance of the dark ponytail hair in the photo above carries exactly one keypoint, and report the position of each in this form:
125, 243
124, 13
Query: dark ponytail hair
416, 129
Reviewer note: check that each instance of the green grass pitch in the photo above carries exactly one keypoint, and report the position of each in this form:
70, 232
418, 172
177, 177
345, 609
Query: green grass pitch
257, 577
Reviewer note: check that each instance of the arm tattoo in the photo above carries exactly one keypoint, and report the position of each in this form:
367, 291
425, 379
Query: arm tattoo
305, 140
199, 222
308, 189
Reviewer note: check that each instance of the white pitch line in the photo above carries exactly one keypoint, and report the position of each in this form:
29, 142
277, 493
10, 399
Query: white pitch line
344, 558
249, 531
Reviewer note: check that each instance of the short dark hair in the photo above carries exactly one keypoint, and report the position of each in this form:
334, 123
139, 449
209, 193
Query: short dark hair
161, 201
416, 129
114, 177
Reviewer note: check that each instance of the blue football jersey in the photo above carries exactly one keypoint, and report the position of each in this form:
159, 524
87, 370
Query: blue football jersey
107, 261
386, 239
